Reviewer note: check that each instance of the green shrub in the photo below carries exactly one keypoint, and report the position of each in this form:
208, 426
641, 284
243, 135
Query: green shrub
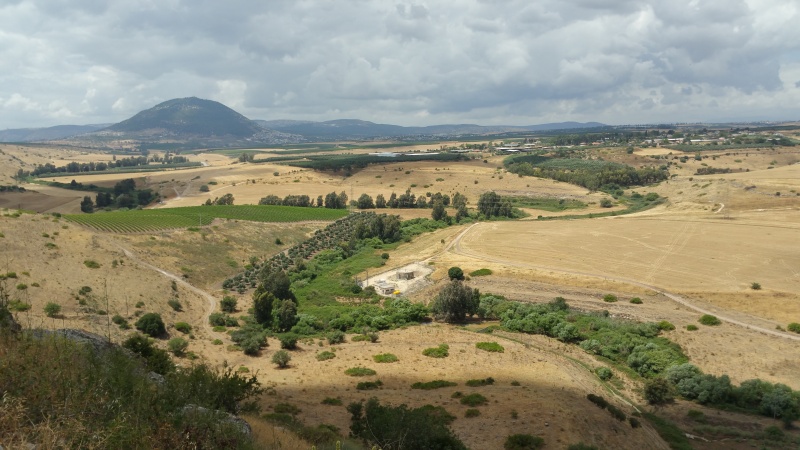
335, 337
385, 358
118, 320
52, 309
480, 382
708, 319
609, 298
92, 264
597, 400
183, 327
369, 385
472, 412
665, 326
581, 446
228, 304
697, 416
616, 413
604, 373
442, 351
691, 327
288, 341
216, 342
175, 304
435, 384
755, 286
359, 372
794, 327
636, 301
281, 358
286, 408
455, 273
523, 442
474, 400
634, 422
139, 304
480, 273
151, 325
331, 401
18, 306
326, 355
490, 347
177, 346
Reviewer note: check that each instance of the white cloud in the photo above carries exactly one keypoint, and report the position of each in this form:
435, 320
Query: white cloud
406, 62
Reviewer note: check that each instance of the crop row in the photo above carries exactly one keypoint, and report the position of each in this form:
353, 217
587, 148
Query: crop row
169, 218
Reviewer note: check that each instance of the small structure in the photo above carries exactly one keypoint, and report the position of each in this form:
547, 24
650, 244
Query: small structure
405, 274
385, 288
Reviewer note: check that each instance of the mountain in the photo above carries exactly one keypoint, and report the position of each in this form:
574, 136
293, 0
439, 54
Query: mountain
189, 117
46, 134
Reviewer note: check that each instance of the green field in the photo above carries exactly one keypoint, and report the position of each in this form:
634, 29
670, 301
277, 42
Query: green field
147, 220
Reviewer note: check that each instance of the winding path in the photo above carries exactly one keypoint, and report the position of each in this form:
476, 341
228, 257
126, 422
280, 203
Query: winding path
455, 247
212, 301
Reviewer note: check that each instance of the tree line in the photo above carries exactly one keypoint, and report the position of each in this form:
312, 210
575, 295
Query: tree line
123, 195
78, 167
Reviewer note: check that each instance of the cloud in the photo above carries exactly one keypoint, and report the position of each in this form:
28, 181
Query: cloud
406, 62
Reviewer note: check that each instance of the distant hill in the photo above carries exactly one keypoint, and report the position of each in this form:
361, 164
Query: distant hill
46, 134
189, 117
360, 129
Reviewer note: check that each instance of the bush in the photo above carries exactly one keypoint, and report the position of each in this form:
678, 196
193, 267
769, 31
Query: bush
177, 346
708, 319
92, 264
480, 273
288, 341
606, 203
117, 319
175, 304
472, 412
435, 384
658, 391
581, 446
151, 325
442, 351
336, 337
616, 412
480, 382
634, 422
52, 309
157, 360
636, 301
359, 372
455, 273
183, 327
474, 400
755, 286
384, 256
794, 327
523, 442
609, 298
597, 400
286, 408
691, 327
331, 401
385, 358
228, 304
490, 347
369, 385
326, 355
604, 373
665, 326
281, 358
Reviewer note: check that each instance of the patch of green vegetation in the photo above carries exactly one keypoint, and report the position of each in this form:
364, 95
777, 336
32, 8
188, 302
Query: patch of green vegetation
490, 347
356, 161
359, 372
369, 385
708, 319
435, 384
442, 351
92, 264
668, 431
325, 355
480, 382
480, 273
546, 203
146, 220
385, 358
473, 400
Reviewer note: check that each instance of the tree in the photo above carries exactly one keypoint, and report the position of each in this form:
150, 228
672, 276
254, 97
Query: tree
157, 360
262, 306
658, 391
455, 301
491, 204
438, 212
151, 325
365, 202
281, 358
228, 304
284, 315
380, 201
52, 309
455, 273
86, 205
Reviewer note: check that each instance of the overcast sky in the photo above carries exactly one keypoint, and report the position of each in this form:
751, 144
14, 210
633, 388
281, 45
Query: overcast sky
416, 62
